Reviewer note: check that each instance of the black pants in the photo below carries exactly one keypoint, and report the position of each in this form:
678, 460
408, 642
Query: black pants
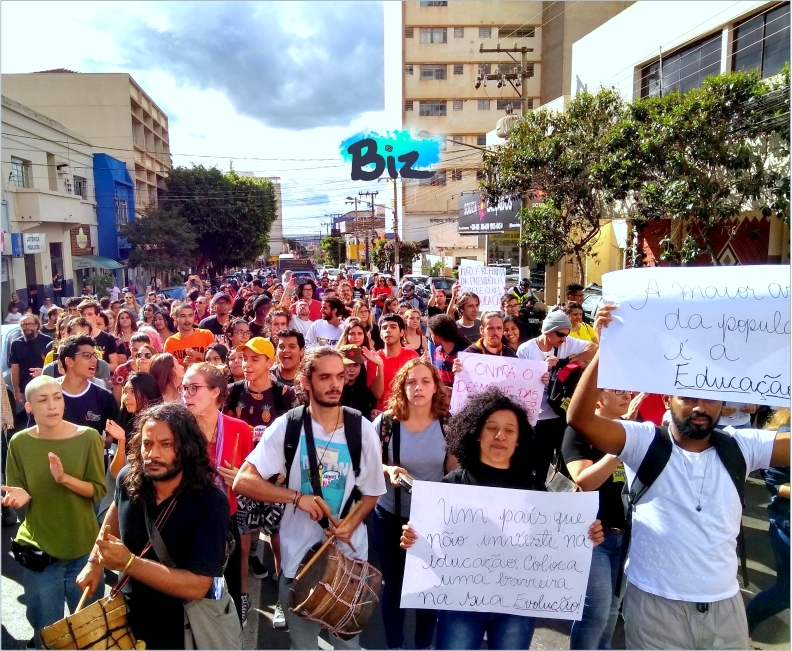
550, 433
233, 571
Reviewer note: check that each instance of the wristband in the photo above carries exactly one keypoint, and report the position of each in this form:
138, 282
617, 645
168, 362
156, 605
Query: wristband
132, 557
93, 560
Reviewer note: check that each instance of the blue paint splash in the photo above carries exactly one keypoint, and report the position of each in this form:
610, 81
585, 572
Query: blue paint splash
401, 142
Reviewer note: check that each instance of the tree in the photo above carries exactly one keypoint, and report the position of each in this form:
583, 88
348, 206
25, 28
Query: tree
553, 158
382, 254
333, 248
160, 240
230, 215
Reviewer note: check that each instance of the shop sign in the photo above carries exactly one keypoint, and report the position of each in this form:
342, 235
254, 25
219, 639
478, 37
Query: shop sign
478, 217
34, 242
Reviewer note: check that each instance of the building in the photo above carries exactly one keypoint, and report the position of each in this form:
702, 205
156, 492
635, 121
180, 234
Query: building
439, 87
49, 205
277, 244
115, 206
113, 111
360, 230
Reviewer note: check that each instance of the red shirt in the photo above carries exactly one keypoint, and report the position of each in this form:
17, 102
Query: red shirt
391, 367
235, 433
652, 409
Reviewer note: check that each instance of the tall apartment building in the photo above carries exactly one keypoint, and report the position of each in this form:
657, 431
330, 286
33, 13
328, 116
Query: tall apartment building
112, 111
277, 245
441, 64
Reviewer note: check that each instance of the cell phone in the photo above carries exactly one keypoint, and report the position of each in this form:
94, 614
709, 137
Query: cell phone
405, 482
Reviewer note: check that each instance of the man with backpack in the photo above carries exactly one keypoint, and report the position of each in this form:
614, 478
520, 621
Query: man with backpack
684, 510
258, 401
324, 455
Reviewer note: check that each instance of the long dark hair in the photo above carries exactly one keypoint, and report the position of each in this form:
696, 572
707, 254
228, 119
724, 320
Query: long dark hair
191, 453
146, 392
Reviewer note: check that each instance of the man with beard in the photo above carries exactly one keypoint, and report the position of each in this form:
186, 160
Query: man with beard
216, 324
682, 590
328, 330
27, 356
301, 320
170, 480
325, 441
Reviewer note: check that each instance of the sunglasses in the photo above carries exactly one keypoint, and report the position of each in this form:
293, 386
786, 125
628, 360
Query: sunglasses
561, 335
145, 355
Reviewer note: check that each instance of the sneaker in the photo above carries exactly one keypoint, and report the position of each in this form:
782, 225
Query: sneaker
278, 617
245, 608
258, 569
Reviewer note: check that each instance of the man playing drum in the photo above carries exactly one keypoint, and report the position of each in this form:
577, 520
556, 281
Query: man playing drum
325, 429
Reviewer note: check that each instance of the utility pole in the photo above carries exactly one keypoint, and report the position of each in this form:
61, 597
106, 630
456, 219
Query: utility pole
357, 239
371, 225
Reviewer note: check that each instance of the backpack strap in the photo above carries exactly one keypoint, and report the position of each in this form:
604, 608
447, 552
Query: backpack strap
386, 431
277, 398
732, 458
652, 465
353, 432
292, 438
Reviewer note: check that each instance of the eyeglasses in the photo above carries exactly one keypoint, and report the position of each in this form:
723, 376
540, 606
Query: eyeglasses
145, 355
241, 333
87, 356
191, 389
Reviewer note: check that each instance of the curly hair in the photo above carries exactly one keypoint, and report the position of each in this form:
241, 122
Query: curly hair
399, 406
464, 429
308, 366
192, 457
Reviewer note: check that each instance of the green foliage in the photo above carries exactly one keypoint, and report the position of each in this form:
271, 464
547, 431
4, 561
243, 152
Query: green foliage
160, 240
382, 254
230, 215
334, 248
101, 283
434, 270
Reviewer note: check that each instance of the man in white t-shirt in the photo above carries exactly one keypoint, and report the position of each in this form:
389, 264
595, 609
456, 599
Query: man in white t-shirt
301, 319
322, 377
328, 330
552, 346
682, 588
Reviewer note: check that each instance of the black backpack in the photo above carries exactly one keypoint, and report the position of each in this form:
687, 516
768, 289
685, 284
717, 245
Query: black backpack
298, 419
564, 377
657, 456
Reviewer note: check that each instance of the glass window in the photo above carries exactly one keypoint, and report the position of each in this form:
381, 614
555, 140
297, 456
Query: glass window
432, 108
456, 175
481, 140
439, 178
763, 42
434, 3
483, 105
457, 140
408, 105
684, 69
435, 72
485, 32
517, 32
20, 172
485, 68
505, 104
459, 32
479, 175
408, 32
459, 68
408, 70
458, 104
121, 212
81, 187
434, 35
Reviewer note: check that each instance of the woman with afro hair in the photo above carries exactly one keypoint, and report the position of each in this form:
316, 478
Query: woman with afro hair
495, 446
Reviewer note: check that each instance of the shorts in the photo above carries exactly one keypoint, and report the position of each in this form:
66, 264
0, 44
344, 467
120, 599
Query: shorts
252, 516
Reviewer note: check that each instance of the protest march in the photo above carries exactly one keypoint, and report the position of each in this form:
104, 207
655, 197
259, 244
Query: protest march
391, 464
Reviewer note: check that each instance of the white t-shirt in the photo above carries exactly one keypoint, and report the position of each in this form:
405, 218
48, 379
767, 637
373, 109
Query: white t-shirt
677, 552
530, 350
300, 325
737, 418
298, 531
14, 317
322, 333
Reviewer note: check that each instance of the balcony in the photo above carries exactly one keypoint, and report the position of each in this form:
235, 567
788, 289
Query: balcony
34, 207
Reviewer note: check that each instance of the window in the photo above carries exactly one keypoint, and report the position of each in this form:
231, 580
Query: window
479, 175
20, 172
434, 3
408, 105
121, 212
457, 140
763, 42
435, 72
683, 70
459, 32
434, 35
458, 104
485, 32
456, 175
485, 68
81, 187
408, 70
529, 104
516, 32
443, 144
439, 178
408, 32
505, 104
529, 69
432, 108
483, 105
481, 140
458, 68
508, 68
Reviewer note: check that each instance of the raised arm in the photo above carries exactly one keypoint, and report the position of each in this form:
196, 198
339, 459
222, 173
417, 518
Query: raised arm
780, 457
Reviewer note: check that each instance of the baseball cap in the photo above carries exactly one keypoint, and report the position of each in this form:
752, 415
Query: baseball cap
352, 354
220, 296
260, 346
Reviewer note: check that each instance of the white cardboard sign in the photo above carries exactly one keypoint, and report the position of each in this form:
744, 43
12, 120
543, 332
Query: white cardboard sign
710, 332
496, 550
489, 283
520, 379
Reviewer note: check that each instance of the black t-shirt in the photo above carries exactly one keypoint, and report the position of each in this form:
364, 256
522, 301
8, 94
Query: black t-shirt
106, 344
258, 409
480, 474
358, 293
256, 330
48, 332
195, 536
611, 509
92, 408
211, 324
433, 310
28, 354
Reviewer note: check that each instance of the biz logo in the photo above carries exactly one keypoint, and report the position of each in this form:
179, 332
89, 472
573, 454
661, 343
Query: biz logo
415, 155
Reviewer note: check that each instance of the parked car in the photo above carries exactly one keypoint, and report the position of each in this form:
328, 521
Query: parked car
592, 299
442, 282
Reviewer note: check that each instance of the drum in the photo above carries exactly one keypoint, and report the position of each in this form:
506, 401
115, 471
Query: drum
102, 625
340, 593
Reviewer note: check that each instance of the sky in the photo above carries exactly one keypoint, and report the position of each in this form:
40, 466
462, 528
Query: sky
271, 88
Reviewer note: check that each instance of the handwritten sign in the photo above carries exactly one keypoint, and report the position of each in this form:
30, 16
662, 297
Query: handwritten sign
496, 550
489, 283
519, 378
720, 333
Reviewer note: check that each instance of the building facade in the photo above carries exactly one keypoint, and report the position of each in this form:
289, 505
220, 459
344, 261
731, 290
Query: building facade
115, 206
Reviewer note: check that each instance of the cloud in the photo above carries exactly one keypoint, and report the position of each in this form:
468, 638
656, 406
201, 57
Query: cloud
318, 199
287, 65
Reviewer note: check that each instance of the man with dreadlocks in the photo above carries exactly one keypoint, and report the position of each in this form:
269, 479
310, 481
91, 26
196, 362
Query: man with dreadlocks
170, 481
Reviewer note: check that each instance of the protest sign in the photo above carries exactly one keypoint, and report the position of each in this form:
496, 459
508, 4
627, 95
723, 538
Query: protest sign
496, 550
720, 333
488, 283
520, 379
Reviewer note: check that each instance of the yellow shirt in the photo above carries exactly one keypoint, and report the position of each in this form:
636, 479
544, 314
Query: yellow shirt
585, 332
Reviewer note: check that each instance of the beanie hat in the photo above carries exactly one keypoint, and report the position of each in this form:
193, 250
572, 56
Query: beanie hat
556, 320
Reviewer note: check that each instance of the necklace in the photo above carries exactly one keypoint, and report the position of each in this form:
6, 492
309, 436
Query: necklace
335, 429
690, 480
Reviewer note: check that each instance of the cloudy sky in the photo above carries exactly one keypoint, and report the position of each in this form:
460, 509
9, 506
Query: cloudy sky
272, 86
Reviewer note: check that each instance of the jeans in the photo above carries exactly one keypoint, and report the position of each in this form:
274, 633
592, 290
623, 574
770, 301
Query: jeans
774, 599
387, 531
465, 630
45, 593
601, 609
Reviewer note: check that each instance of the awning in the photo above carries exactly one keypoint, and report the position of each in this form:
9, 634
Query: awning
88, 261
